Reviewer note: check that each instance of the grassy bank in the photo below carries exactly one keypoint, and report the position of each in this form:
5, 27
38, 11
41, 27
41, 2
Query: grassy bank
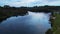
56, 25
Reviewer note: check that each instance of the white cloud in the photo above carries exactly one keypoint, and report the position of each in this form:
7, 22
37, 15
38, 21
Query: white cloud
54, 3
18, 3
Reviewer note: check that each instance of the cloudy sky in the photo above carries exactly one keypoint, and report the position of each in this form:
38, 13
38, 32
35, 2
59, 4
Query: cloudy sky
29, 3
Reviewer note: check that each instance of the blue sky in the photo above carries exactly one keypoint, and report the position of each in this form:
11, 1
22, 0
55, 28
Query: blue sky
29, 3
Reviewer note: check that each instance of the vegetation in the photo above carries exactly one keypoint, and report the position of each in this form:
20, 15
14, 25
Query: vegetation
56, 25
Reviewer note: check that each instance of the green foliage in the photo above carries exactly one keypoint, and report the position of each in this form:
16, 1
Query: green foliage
56, 25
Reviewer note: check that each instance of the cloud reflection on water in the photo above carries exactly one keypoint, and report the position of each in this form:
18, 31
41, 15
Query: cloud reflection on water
33, 23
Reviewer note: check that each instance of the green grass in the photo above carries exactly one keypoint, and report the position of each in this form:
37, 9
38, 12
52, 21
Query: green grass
56, 25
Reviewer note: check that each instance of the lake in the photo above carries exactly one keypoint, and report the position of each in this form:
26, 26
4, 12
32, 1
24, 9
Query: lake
33, 23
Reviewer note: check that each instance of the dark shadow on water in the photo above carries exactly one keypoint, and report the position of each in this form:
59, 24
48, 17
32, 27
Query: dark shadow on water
49, 31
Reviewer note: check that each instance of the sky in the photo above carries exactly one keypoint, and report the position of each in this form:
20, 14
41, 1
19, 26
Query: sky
29, 3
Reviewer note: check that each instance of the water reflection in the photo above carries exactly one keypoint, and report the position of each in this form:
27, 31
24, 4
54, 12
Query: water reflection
33, 23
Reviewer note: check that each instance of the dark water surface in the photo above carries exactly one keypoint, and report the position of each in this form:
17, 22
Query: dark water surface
33, 23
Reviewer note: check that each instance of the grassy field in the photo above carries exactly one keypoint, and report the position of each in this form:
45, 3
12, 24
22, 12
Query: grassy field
56, 25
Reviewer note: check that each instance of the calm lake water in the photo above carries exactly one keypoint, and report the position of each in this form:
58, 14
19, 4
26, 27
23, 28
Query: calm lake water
33, 23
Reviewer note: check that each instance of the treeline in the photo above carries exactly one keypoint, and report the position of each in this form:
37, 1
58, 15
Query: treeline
7, 11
